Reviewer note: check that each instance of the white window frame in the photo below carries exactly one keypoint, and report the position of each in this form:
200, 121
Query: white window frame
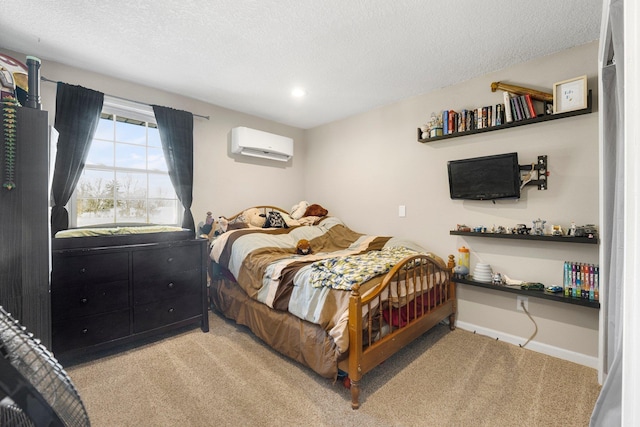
131, 110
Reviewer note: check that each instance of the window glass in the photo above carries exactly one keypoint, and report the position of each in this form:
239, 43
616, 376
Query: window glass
125, 178
100, 153
105, 127
153, 136
133, 133
131, 156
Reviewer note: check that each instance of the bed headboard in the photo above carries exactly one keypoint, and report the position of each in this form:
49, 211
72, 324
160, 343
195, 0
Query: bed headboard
263, 208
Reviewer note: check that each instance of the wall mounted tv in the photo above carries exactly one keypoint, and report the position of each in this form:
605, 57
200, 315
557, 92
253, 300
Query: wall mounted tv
485, 178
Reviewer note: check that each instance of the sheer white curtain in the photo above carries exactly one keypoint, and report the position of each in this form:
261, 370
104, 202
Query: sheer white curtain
608, 408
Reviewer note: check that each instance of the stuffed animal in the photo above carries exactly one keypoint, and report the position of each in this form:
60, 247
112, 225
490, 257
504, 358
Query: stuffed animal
221, 225
303, 247
315, 210
297, 211
253, 217
208, 225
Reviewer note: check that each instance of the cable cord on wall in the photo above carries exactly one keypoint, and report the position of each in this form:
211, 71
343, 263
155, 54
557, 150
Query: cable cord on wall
529, 176
534, 324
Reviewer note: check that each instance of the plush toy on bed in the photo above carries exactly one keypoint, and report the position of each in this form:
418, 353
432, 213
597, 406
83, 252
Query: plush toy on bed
315, 210
253, 218
297, 211
303, 247
208, 224
308, 214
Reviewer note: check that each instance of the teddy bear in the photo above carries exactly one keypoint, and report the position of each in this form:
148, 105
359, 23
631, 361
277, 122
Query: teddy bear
303, 247
253, 218
315, 210
297, 211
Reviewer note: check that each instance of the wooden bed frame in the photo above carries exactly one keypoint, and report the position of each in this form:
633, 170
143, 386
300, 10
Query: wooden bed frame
432, 299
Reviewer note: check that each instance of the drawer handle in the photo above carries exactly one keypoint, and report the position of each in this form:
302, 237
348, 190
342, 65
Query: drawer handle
83, 270
169, 259
171, 285
85, 330
170, 310
83, 300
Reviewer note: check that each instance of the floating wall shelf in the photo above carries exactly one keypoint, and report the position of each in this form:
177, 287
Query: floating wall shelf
540, 118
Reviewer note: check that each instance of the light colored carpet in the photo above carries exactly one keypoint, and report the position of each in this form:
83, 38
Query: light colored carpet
227, 377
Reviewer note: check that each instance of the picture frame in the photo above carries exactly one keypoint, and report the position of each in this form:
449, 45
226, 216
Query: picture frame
570, 95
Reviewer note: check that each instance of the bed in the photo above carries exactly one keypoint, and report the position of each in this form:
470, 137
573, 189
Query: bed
113, 285
322, 309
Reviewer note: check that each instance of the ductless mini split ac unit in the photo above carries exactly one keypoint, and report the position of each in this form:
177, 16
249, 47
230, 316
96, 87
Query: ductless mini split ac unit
256, 143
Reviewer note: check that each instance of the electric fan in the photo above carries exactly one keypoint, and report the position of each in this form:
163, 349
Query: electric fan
34, 388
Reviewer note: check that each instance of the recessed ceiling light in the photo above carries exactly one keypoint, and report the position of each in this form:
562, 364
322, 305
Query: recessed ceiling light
298, 92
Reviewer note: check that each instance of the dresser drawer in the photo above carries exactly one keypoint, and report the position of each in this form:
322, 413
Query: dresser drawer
161, 313
88, 299
90, 330
156, 262
168, 286
94, 268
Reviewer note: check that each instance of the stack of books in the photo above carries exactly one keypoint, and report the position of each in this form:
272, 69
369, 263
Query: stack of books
581, 280
514, 108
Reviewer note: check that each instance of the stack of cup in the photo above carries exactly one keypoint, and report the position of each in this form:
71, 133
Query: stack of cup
483, 273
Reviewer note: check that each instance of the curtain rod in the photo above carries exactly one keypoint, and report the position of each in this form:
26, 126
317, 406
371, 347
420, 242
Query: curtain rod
44, 79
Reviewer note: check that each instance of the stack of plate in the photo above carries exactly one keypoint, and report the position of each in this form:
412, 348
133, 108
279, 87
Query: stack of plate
483, 273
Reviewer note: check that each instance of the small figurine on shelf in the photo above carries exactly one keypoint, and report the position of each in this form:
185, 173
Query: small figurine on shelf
497, 279
557, 230
435, 125
538, 227
572, 229
521, 229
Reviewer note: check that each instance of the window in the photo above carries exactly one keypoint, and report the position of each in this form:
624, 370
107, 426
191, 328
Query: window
125, 179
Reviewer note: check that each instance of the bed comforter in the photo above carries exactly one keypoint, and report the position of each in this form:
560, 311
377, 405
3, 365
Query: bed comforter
266, 266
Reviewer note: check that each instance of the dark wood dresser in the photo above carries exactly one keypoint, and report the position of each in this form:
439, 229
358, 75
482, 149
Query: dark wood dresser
102, 296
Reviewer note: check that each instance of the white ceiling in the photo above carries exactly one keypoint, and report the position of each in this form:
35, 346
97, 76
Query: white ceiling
247, 55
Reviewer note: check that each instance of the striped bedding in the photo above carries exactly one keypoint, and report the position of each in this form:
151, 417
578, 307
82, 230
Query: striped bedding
266, 266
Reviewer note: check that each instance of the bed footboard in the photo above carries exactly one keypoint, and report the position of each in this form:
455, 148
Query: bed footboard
412, 298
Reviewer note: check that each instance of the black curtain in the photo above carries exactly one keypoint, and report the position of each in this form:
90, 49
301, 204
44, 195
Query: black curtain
77, 116
176, 135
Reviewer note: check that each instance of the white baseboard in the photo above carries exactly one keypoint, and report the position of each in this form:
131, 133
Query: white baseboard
571, 356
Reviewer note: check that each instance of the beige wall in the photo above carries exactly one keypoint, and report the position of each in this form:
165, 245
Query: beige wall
362, 168
223, 183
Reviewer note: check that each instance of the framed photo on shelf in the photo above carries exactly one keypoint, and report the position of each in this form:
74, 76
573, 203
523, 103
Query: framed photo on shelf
570, 95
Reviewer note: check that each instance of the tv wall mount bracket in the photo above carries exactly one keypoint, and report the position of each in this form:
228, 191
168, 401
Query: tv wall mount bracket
542, 172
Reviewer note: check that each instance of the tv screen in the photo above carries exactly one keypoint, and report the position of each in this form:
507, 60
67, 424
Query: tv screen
485, 178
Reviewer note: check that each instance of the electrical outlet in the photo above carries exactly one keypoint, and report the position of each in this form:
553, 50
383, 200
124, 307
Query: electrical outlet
521, 300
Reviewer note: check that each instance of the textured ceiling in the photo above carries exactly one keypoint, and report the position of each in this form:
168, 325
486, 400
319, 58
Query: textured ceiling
349, 55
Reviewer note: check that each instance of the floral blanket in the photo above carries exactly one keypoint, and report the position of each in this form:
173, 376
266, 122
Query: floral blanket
345, 272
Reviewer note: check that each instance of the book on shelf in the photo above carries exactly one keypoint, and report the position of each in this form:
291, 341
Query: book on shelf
452, 121
462, 120
508, 111
529, 101
524, 107
514, 110
499, 114
445, 122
